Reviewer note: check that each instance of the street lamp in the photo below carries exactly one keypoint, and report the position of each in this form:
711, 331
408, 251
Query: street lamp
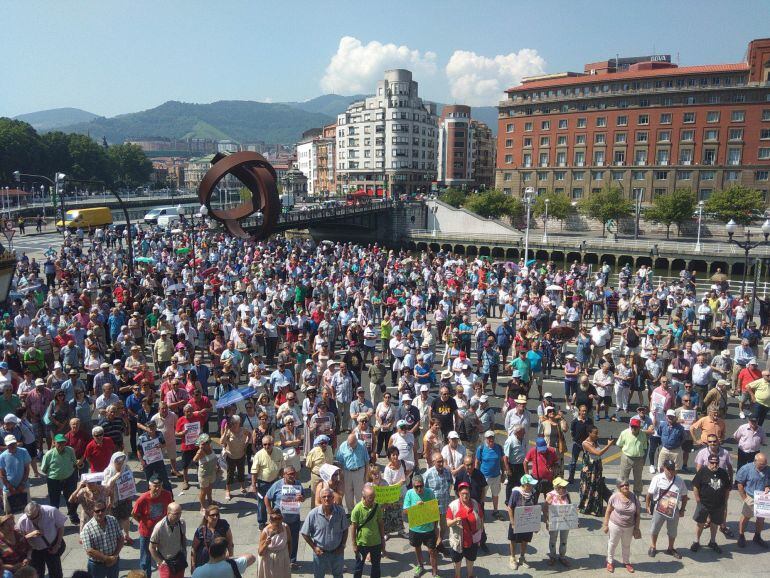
747, 246
528, 196
700, 221
638, 211
545, 222
433, 211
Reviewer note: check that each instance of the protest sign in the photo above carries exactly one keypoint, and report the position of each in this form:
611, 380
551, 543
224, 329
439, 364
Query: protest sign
527, 519
562, 517
387, 494
126, 485
191, 432
423, 513
151, 451
761, 505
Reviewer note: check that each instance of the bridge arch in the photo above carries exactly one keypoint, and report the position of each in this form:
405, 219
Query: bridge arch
591, 258
446, 247
542, 255
498, 252
678, 265
484, 251
573, 256
434, 247
422, 246
460, 249
511, 253
472, 250
699, 266
661, 263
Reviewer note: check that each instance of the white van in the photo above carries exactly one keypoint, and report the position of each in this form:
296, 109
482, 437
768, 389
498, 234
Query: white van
168, 220
153, 215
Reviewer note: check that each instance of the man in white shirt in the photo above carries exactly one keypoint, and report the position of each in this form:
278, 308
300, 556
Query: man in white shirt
666, 502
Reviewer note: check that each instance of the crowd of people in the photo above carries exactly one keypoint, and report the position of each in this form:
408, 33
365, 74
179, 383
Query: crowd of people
283, 372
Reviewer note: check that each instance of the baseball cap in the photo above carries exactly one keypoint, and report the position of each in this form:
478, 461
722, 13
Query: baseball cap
670, 413
446, 374
527, 479
402, 423
669, 464
547, 394
406, 397
483, 399
635, 422
550, 408
489, 434
713, 459
9, 439
60, 438
321, 439
10, 418
516, 373
424, 387
752, 361
3, 365
541, 444
453, 435
559, 482
462, 485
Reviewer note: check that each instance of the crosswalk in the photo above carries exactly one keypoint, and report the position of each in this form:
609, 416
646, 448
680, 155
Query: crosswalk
36, 245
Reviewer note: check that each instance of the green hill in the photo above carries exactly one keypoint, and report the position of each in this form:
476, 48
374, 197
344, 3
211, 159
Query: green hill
46, 120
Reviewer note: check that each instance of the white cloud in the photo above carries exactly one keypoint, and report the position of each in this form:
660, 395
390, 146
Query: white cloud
479, 80
356, 67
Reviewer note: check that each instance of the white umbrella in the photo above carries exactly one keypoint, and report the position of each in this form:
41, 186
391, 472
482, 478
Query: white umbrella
554, 288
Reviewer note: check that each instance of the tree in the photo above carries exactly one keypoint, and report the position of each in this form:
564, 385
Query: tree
559, 206
737, 203
20, 149
130, 166
608, 203
454, 197
493, 204
673, 208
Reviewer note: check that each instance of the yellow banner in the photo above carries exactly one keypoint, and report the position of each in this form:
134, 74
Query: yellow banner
387, 494
424, 513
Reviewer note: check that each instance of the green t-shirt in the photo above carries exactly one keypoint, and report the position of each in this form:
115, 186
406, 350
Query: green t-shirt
59, 466
9, 405
368, 535
412, 499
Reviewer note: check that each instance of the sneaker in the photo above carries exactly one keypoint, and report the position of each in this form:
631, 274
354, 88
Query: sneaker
696, 546
523, 562
741, 541
743, 415
673, 552
564, 562
651, 552
727, 532
512, 562
715, 547
417, 570
652, 469
759, 541
685, 469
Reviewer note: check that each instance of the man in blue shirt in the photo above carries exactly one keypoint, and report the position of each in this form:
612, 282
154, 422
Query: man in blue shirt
424, 534
752, 478
326, 531
14, 475
672, 436
352, 458
489, 460
286, 494
535, 358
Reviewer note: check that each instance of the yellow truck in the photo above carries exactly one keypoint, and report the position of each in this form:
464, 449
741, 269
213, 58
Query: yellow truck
86, 218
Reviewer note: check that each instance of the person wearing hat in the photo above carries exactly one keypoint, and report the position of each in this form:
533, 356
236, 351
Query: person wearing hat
759, 391
103, 377
518, 415
59, 465
9, 401
149, 509
711, 488
666, 502
377, 372
633, 445
559, 496
424, 534
747, 375
318, 456
672, 436
522, 495
489, 460
14, 475
360, 407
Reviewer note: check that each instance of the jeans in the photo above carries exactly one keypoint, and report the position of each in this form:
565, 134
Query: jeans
562, 536
294, 528
328, 564
145, 559
653, 449
262, 489
160, 469
98, 570
57, 488
376, 554
576, 449
760, 412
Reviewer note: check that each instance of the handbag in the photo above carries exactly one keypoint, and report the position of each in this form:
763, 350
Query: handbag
654, 502
62, 545
178, 562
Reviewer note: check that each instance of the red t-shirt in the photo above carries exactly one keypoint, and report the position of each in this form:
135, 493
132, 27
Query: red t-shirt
541, 463
78, 441
149, 511
180, 427
470, 522
98, 457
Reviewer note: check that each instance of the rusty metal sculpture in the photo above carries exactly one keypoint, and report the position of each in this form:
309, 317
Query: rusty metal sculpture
257, 175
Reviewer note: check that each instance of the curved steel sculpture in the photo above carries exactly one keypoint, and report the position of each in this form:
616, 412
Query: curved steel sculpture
257, 175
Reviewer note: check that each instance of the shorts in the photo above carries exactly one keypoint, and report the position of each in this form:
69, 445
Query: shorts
687, 445
187, 458
518, 538
747, 511
206, 481
122, 509
494, 485
702, 514
468, 553
605, 401
427, 539
658, 520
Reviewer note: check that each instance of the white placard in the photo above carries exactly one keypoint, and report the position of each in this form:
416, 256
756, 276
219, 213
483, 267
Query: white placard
192, 431
527, 519
151, 451
688, 418
290, 500
562, 517
761, 505
126, 484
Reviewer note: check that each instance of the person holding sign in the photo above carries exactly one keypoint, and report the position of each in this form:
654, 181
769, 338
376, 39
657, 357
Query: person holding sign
752, 479
286, 495
121, 488
559, 496
523, 495
666, 502
423, 534
188, 428
465, 519
149, 450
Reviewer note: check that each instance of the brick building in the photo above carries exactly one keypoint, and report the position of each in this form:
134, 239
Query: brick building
643, 123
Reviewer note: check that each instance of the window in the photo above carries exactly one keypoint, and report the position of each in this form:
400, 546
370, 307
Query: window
542, 175
661, 158
507, 176
704, 194
764, 154
664, 136
660, 175
578, 175
509, 127
644, 119
561, 140
709, 156
640, 157
545, 125
762, 175
599, 158
600, 138
597, 175
707, 175
561, 159
657, 192
527, 142
528, 126
559, 175
766, 115
622, 121
581, 122
641, 136
685, 157
527, 159
688, 135
732, 175
619, 159
712, 116
580, 158
601, 121
733, 156
737, 134
580, 139
665, 118
711, 134
764, 134
526, 176
543, 159
738, 116
684, 175
563, 124
508, 159
545, 141
620, 138
637, 175
577, 192
618, 175
689, 117
506, 190
690, 100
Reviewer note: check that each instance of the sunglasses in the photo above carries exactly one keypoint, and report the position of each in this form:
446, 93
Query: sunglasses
98, 511
417, 486
623, 486
216, 515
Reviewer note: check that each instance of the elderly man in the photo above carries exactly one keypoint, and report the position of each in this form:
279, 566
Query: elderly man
439, 479
162, 352
60, 468
752, 478
14, 475
148, 510
168, 543
711, 488
422, 534
286, 494
633, 445
342, 385
353, 459
265, 469
489, 460
749, 437
326, 530
99, 450
43, 526
759, 391
518, 415
368, 535
672, 436
708, 425
320, 454
102, 540
666, 502
514, 451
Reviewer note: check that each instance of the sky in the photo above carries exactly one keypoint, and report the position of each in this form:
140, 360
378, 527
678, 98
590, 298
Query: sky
111, 57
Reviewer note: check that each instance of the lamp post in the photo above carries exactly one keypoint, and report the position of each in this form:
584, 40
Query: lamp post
528, 195
433, 211
638, 210
545, 222
700, 221
747, 246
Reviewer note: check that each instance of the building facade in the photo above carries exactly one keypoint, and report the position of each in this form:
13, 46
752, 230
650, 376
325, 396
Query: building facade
455, 147
307, 158
485, 148
644, 123
326, 179
387, 144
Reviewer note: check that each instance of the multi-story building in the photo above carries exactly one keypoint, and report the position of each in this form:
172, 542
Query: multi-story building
645, 123
387, 143
484, 147
307, 162
326, 180
465, 150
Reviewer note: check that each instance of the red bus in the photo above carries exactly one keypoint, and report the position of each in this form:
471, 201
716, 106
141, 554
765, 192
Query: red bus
363, 196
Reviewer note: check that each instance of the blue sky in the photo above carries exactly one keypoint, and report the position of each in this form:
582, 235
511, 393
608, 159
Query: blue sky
111, 57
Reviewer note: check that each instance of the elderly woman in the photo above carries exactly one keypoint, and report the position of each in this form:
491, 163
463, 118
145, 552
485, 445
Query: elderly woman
234, 442
523, 495
465, 520
559, 496
188, 428
121, 489
621, 522
208, 466
86, 495
14, 549
291, 442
